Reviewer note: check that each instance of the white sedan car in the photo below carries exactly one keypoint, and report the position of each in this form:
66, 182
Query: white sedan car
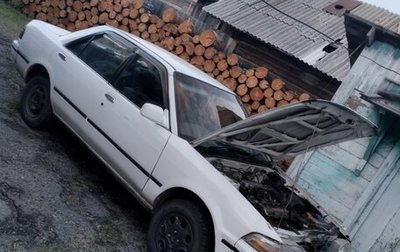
181, 142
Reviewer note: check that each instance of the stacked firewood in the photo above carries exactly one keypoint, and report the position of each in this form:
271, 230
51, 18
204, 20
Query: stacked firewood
80, 14
260, 93
257, 89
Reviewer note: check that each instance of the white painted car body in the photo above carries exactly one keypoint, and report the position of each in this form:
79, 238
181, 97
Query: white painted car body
149, 158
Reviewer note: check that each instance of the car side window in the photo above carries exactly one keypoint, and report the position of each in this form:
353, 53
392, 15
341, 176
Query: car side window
78, 45
104, 53
140, 81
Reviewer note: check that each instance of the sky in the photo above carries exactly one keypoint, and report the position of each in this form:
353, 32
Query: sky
391, 5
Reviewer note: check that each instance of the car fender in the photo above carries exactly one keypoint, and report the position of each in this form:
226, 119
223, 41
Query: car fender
181, 166
38, 47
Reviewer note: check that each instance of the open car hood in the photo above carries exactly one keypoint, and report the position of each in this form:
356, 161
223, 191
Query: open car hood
290, 130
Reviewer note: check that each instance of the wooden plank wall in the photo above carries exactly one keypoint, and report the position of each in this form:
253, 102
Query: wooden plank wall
378, 227
328, 173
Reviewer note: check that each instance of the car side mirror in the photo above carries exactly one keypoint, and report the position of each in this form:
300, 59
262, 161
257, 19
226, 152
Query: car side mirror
155, 114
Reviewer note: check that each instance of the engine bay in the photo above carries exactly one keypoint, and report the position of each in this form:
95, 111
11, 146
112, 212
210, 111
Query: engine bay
281, 203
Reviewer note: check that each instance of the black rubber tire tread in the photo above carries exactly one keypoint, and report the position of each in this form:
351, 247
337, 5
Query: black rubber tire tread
45, 119
203, 232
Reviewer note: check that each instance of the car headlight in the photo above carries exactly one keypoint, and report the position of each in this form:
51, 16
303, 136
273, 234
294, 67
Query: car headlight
262, 244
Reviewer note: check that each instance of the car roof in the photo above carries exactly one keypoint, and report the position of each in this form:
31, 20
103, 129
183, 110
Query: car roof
174, 61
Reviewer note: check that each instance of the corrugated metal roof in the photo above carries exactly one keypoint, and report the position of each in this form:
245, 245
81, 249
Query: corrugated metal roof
378, 16
280, 29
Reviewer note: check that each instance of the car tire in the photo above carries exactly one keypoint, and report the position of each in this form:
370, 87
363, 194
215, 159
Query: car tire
180, 226
36, 108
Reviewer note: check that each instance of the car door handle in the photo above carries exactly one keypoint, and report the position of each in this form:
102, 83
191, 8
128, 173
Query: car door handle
109, 97
62, 56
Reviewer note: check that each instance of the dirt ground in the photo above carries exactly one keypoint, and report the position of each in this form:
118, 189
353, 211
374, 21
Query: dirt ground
54, 196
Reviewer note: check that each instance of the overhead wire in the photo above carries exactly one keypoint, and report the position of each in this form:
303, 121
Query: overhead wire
351, 54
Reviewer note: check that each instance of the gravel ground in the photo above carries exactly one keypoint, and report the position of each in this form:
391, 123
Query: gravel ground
54, 196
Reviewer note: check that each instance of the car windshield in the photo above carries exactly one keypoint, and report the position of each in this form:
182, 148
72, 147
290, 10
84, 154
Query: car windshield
203, 108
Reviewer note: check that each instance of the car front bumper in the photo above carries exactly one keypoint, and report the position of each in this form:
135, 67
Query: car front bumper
338, 245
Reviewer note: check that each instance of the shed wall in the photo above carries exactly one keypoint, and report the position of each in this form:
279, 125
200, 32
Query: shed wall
337, 177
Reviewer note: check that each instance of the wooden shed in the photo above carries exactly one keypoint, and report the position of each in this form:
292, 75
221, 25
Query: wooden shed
359, 181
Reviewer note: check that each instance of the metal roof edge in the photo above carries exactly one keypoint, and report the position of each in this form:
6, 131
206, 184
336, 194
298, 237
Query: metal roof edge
364, 26
217, 11
277, 48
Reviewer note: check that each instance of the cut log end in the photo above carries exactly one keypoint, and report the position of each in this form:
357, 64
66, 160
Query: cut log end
209, 66
232, 59
230, 83
225, 74
251, 81
186, 27
235, 72
222, 65
288, 96
255, 105
270, 102
278, 95
277, 84
249, 72
262, 108
263, 84
269, 92
256, 94
242, 78
261, 72
304, 97
282, 103
207, 38
169, 15
245, 98
242, 89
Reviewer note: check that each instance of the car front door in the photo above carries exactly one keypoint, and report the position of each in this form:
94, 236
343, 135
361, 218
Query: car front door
81, 71
118, 119
108, 122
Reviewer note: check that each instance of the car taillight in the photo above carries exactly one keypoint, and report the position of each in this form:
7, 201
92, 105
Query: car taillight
21, 33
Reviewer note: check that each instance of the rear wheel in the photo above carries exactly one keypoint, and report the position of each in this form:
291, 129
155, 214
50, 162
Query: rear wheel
180, 226
35, 103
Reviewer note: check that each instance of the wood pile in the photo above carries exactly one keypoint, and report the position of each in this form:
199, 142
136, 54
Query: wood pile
257, 89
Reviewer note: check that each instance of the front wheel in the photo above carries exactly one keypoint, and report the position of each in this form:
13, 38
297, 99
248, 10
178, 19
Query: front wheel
180, 226
35, 103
